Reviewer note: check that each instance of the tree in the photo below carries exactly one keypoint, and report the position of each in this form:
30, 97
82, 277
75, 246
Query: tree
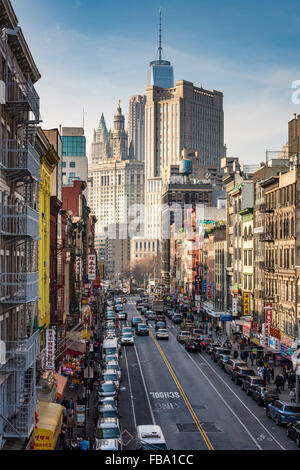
144, 268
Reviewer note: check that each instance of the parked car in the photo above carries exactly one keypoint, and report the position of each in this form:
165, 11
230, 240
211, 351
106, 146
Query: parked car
141, 329
212, 346
222, 359
122, 315
107, 401
193, 345
107, 389
217, 351
108, 444
162, 334
293, 431
283, 412
177, 318
107, 411
258, 392
197, 331
109, 375
127, 338
205, 341
107, 429
113, 365
136, 320
240, 373
231, 364
109, 357
251, 381
182, 336
160, 325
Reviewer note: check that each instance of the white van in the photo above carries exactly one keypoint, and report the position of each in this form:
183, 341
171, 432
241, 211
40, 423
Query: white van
150, 437
110, 347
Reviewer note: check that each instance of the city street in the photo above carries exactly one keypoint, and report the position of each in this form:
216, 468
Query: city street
191, 398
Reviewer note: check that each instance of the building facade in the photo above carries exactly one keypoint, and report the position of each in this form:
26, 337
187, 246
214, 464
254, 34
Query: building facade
136, 127
74, 158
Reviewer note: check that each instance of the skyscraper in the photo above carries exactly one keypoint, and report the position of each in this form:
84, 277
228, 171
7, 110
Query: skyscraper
100, 139
74, 159
160, 72
136, 127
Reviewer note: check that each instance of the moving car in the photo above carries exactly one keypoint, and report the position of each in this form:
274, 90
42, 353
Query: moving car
127, 329
283, 412
210, 347
160, 325
258, 393
159, 317
170, 314
107, 389
122, 315
141, 329
151, 316
127, 338
162, 334
136, 320
193, 345
205, 341
251, 381
150, 437
231, 364
240, 373
293, 431
182, 336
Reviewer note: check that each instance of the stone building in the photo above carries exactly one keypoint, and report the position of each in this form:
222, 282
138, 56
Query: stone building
136, 127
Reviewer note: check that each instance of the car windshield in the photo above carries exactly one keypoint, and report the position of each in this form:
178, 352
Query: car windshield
110, 376
247, 372
292, 409
127, 335
162, 331
142, 327
110, 358
108, 387
110, 351
136, 320
160, 323
108, 433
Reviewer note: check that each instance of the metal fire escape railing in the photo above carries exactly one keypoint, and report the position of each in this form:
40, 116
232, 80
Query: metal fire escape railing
19, 221
19, 357
19, 288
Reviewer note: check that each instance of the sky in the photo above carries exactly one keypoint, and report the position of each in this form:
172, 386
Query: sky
91, 53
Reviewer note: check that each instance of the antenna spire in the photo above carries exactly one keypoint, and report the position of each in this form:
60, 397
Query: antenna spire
159, 38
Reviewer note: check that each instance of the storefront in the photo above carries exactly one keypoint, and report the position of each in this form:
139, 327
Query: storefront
49, 422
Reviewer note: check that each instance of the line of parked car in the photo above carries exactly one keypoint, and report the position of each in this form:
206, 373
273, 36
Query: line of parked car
282, 412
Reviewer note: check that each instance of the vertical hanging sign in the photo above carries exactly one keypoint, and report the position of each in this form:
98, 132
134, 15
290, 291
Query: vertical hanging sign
50, 349
92, 267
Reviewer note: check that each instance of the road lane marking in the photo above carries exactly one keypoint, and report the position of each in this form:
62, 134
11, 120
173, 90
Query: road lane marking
130, 389
146, 390
228, 406
189, 406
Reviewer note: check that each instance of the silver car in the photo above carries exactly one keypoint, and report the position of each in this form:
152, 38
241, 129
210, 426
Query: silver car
127, 338
162, 334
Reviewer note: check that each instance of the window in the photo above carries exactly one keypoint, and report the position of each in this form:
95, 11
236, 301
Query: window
72, 175
64, 164
72, 164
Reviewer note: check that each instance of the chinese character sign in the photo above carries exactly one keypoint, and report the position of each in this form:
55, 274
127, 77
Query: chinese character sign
50, 349
269, 314
78, 265
234, 306
246, 296
92, 267
209, 291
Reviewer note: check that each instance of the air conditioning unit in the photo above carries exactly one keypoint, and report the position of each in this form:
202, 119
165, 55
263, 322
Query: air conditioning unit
2, 92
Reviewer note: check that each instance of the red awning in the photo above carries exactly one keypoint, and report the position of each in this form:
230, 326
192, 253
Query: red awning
76, 349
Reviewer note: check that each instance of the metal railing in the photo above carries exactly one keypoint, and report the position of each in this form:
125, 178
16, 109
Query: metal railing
18, 159
19, 288
19, 355
19, 221
21, 95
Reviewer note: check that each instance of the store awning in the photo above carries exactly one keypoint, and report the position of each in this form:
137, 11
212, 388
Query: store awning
61, 383
255, 341
76, 349
50, 418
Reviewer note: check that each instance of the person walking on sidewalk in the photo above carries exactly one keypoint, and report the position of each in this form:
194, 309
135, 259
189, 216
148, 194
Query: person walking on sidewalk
277, 383
292, 395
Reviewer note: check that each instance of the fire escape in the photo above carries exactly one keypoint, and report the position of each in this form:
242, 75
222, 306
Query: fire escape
19, 232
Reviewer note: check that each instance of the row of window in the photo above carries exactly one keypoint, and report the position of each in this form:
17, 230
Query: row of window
281, 197
282, 257
71, 164
283, 228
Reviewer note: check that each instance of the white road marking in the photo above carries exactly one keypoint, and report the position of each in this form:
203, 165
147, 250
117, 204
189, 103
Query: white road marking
146, 390
165, 394
130, 389
228, 406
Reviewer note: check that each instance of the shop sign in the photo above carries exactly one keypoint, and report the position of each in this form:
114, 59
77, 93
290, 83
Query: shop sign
209, 291
92, 267
247, 329
286, 340
274, 343
234, 306
269, 314
78, 265
274, 332
50, 349
246, 296
204, 284
265, 334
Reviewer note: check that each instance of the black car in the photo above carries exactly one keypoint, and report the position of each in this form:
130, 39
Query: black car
136, 320
160, 318
222, 359
217, 351
240, 373
160, 325
258, 392
193, 345
141, 329
293, 431
231, 364
177, 318
251, 381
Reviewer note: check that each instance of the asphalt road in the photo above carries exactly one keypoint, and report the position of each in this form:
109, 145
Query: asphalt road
196, 404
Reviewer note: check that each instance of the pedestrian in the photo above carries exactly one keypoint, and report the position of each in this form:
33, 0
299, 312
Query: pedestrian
70, 424
292, 395
84, 444
62, 435
74, 445
277, 383
282, 381
67, 445
71, 404
64, 411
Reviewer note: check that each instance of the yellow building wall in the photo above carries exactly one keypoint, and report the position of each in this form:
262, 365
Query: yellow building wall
44, 246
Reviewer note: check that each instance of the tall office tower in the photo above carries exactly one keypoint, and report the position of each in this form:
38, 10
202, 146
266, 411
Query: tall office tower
184, 116
160, 72
119, 136
75, 162
136, 127
100, 140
